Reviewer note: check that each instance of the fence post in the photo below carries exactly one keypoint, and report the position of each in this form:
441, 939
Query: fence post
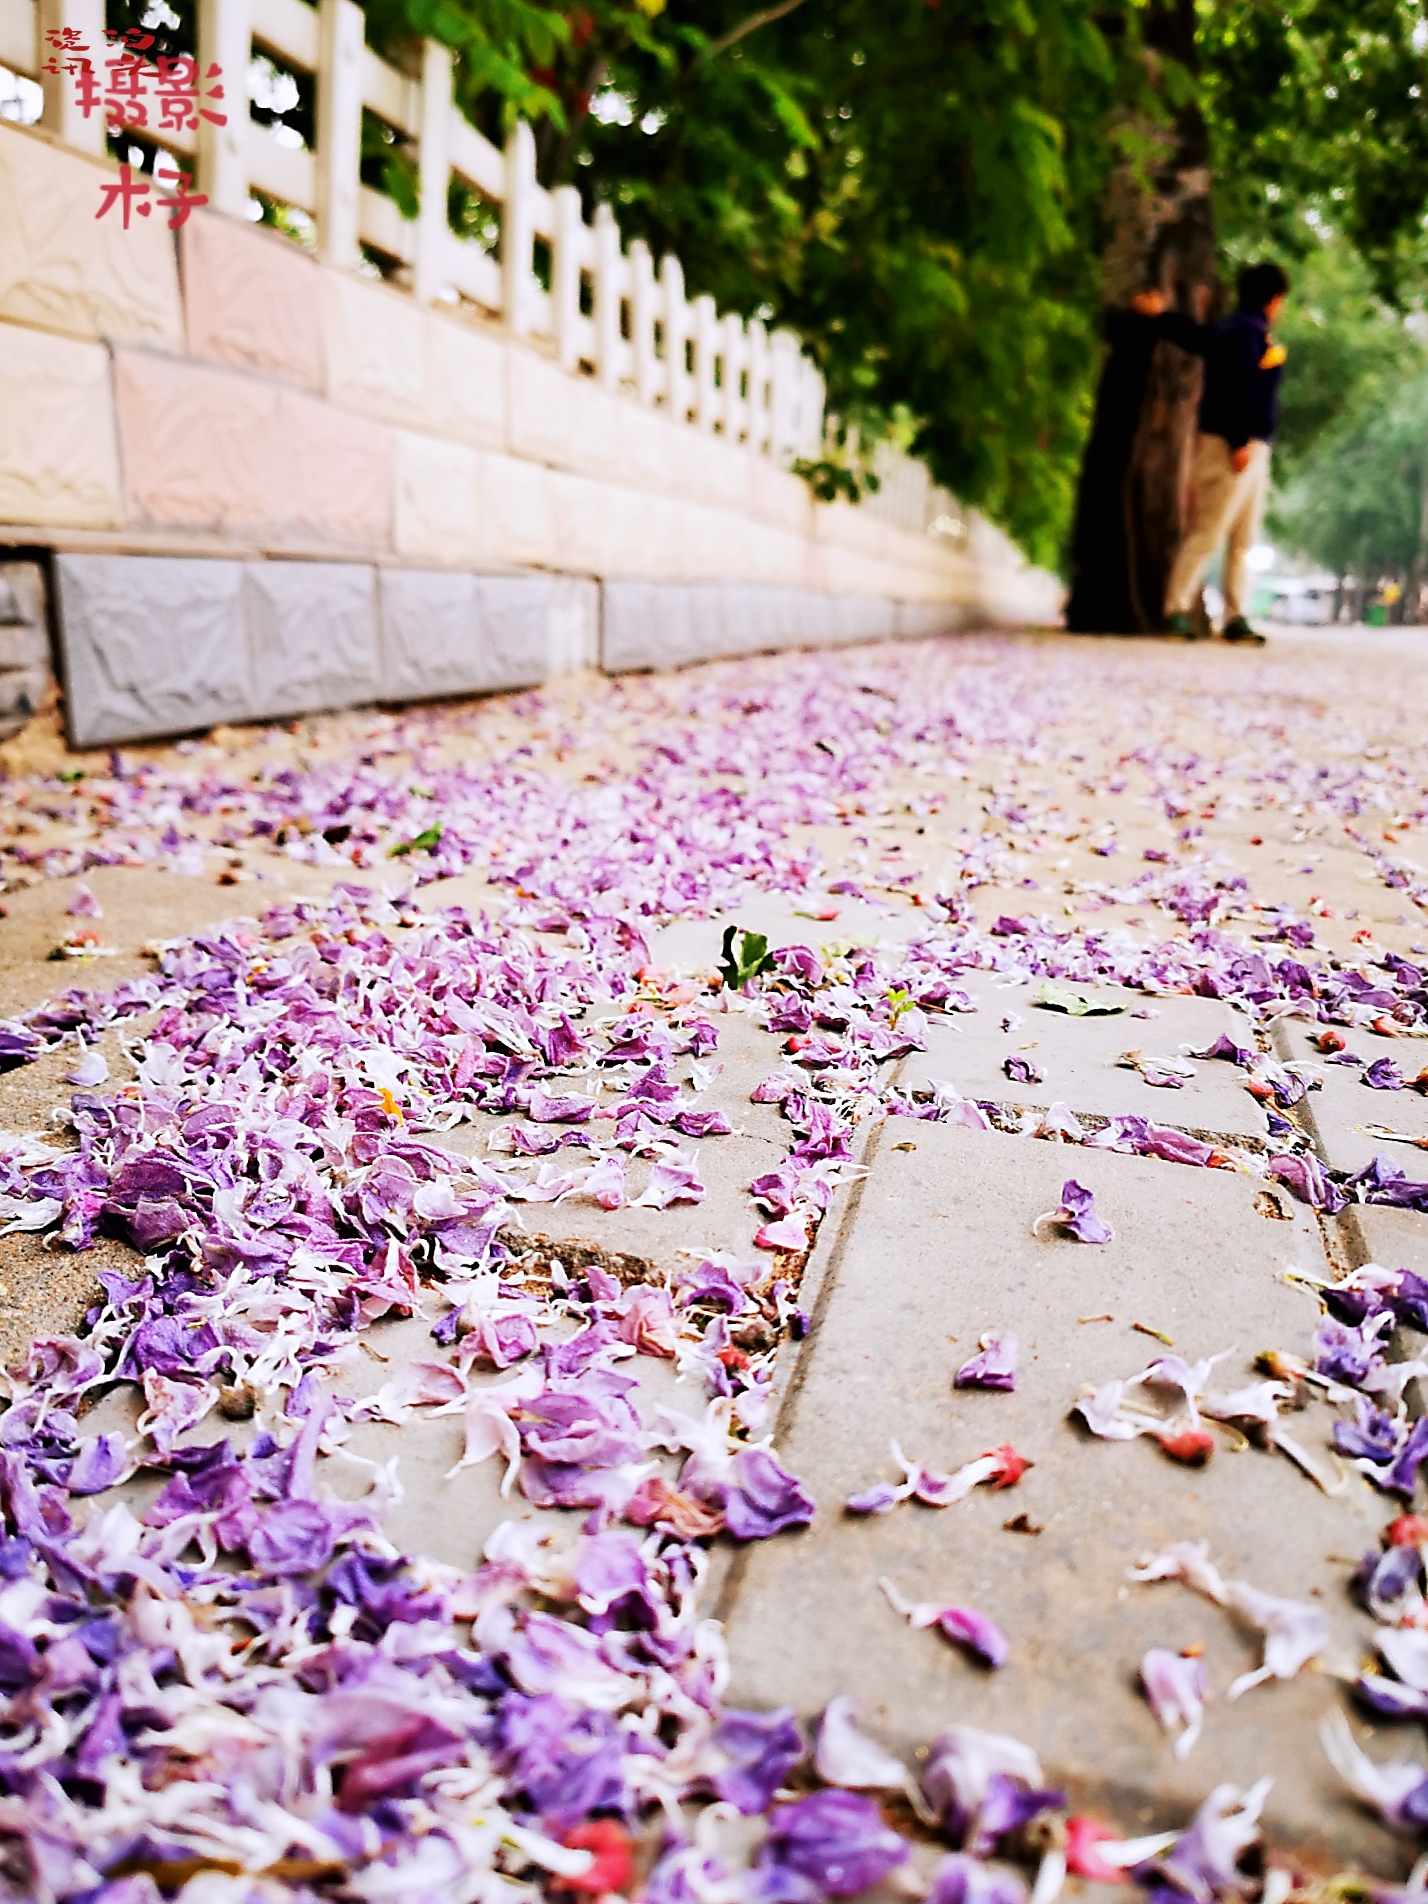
810, 409
433, 238
518, 229
783, 350
706, 343
735, 357
341, 31
675, 318
758, 410
642, 321
607, 297
62, 115
225, 40
567, 254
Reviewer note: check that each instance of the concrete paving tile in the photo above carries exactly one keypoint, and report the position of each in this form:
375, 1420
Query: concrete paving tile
938, 1249
693, 945
450, 1519
1078, 1057
666, 1240
1396, 1238
443, 1516
1342, 1104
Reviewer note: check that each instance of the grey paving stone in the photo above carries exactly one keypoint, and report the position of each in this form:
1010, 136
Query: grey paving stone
670, 624
1078, 1056
441, 1516
312, 635
447, 632
916, 620
431, 633
572, 624
938, 1249
150, 645
1398, 1239
1343, 1104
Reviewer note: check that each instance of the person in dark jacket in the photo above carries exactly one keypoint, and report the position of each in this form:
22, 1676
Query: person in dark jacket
1238, 410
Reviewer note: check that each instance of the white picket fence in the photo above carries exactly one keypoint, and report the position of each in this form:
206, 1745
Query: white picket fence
642, 334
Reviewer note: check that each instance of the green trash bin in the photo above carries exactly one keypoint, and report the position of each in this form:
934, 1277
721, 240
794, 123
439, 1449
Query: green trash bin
1377, 616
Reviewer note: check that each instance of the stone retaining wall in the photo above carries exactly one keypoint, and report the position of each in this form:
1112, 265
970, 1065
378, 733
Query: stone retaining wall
219, 403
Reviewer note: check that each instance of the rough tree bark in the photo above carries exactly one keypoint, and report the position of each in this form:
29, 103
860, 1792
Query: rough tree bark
1133, 490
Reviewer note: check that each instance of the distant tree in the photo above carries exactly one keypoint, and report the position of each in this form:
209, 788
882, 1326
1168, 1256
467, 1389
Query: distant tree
1352, 474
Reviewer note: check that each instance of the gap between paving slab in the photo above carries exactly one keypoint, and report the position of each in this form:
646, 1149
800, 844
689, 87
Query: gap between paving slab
949, 1252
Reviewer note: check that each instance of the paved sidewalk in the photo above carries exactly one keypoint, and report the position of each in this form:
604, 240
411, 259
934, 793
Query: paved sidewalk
1163, 859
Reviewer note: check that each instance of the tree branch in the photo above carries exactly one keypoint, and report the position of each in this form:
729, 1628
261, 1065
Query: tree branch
764, 17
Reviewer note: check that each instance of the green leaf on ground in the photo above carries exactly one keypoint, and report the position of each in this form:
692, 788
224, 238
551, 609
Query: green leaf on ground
752, 957
1056, 996
426, 842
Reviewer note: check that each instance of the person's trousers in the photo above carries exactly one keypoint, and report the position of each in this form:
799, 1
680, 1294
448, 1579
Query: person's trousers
1226, 505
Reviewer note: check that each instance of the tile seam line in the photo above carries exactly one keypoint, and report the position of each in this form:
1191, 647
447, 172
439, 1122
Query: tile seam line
734, 1575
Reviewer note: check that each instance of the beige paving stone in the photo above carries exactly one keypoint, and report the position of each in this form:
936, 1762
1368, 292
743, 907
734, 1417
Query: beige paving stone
202, 447
64, 269
437, 499
337, 474
466, 370
375, 342
251, 299
59, 464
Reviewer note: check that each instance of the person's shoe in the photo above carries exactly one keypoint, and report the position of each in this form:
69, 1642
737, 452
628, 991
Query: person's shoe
1182, 626
1240, 630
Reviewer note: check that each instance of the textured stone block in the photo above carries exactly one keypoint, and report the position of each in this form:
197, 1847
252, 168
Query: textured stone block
542, 401
150, 645
202, 448
515, 617
58, 461
312, 635
375, 343
209, 448
337, 473
467, 382
916, 620
519, 517
436, 499
643, 625
24, 644
446, 632
63, 269
430, 633
251, 299
573, 624
652, 624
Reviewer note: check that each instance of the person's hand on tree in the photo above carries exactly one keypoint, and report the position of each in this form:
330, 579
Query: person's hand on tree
1148, 303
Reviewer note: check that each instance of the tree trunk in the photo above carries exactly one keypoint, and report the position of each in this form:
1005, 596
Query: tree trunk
1133, 492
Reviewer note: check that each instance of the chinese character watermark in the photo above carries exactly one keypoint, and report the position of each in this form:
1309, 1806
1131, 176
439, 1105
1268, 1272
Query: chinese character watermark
169, 86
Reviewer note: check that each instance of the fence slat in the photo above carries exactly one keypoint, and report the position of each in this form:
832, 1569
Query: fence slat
433, 228
225, 40
341, 27
702, 367
290, 29
61, 109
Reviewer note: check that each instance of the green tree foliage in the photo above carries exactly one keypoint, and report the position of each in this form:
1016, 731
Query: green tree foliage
1352, 459
919, 186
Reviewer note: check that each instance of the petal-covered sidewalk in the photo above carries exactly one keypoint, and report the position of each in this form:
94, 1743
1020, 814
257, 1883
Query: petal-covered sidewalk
734, 1287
